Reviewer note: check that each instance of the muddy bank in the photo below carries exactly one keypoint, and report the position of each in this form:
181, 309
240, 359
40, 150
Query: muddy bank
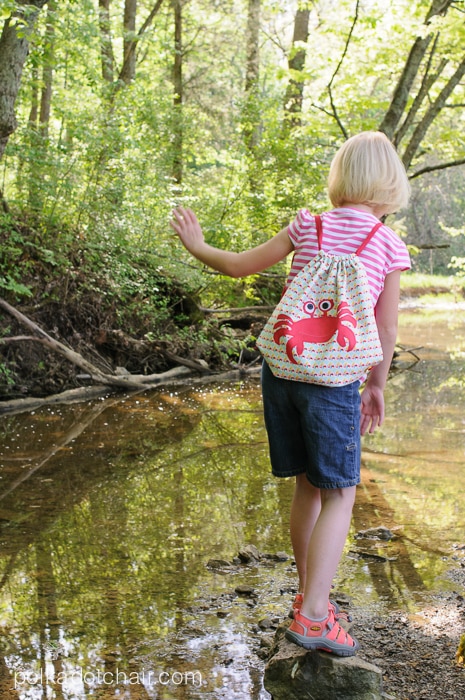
203, 342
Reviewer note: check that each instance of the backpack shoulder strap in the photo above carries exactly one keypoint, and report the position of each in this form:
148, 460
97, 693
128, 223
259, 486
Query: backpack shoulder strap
319, 230
369, 237
319, 234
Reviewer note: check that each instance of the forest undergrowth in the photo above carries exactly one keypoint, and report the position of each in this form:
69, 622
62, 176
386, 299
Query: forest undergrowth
116, 307
124, 312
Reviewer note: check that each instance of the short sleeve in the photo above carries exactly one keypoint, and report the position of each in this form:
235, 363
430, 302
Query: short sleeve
303, 224
401, 259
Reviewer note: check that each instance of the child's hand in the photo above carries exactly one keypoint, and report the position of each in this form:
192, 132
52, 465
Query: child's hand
372, 409
187, 227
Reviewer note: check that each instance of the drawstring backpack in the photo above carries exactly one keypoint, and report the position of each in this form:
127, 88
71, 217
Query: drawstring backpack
323, 330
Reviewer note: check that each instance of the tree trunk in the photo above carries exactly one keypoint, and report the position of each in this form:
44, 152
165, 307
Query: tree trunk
34, 111
106, 44
402, 92
178, 94
253, 48
47, 74
252, 75
131, 39
428, 81
438, 7
431, 114
295, 89
403, 88
40, 129
13, 53
128, 71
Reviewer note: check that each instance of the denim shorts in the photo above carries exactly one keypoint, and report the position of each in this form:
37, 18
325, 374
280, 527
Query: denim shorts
313, 430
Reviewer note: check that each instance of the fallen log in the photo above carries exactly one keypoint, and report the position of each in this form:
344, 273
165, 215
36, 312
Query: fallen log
192, 364
178, 376
71, 355
237, 309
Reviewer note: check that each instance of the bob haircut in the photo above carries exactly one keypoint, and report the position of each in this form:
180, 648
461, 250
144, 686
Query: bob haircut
367, 170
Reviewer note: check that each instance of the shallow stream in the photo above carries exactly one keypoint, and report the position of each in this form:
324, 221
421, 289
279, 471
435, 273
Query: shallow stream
111, 513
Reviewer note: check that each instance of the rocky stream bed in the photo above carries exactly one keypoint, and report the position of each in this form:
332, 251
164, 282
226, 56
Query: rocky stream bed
420, 655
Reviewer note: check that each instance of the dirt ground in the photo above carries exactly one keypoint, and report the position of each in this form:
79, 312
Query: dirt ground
418, 653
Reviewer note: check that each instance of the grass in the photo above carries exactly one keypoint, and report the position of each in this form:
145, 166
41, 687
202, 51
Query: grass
431, 289
423, 281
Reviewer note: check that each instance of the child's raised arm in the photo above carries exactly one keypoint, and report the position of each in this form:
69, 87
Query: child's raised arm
250, 261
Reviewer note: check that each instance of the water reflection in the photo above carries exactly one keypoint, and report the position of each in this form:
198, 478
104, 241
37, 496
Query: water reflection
109, 513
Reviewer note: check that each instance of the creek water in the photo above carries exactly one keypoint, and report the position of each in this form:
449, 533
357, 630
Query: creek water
112, 512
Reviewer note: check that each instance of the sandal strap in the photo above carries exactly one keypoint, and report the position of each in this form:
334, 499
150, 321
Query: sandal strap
335, 632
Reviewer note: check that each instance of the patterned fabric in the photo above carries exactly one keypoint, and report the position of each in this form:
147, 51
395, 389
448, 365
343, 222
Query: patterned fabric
323, 330
344, 230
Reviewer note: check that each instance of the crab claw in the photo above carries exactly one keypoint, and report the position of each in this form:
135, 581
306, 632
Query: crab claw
346, 338
282, 327
290, 345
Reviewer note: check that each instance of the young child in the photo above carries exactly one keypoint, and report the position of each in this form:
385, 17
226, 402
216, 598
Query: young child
314, 430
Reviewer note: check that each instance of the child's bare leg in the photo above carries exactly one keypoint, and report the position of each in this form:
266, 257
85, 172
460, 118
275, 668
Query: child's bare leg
305, 509
325, 549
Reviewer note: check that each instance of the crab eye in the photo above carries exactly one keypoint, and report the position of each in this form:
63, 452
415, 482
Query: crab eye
309, 307
326, 305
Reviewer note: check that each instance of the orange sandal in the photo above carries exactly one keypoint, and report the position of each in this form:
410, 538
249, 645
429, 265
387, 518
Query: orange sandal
296, 604
338, 613
327, 635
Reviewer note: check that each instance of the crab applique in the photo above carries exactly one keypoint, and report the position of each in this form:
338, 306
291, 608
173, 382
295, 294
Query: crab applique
316, 328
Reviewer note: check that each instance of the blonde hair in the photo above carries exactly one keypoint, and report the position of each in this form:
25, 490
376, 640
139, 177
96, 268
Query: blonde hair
367, 170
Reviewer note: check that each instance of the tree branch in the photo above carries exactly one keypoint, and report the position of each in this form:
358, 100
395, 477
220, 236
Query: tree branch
402, 91
440, 166
131, 46
432, 113
438, 7
92, 392
404, 85
333, 77
70, 355
237, 309
426, 84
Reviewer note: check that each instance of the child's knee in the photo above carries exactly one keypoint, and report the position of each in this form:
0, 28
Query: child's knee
345, 496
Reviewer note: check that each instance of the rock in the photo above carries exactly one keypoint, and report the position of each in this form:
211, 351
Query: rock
218, 564
246, 591
281, 556
293, 673
266, 642
249, 554
375, 533
278, 556
266, 624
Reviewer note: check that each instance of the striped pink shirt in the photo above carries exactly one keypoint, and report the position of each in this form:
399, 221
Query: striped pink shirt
344, 230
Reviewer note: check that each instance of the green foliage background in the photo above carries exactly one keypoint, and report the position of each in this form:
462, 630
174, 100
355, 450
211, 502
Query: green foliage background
102, 172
